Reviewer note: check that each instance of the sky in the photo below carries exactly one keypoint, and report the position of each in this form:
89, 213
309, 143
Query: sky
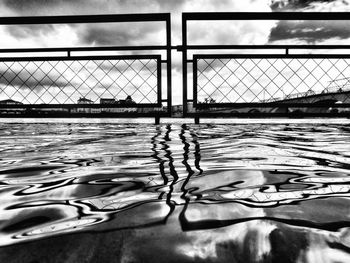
267, 32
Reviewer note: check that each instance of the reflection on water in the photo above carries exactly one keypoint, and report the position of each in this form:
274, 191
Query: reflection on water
212, 192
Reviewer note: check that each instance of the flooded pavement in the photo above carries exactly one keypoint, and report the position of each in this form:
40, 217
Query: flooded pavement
174, 193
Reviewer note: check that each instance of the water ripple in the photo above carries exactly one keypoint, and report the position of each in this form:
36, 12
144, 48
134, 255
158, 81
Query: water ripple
64, 178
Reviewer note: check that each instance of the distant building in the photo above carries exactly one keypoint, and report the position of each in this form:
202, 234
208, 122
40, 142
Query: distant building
128, 100
12, 110
107, 101
152, 110
84, 101
209, 100
10, 102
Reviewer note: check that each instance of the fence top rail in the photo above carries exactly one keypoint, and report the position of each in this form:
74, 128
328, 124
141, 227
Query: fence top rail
154, 17
166, 47
102, 57
266, 46
108, 18
266, 16
82, 49
271, 56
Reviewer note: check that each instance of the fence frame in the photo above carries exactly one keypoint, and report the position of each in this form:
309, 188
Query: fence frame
244, 16
184, 48
92, 19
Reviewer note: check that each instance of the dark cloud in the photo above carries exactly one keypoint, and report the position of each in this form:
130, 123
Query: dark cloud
23, 79
121, 34
28, 31
310, 31
25, 5
287, 5
39, 7
99, 34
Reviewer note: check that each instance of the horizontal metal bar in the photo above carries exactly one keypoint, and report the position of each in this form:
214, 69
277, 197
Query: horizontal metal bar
110, 18
267, 16
73, 106
164, 47
271, 105
269, 114
71, 58
233, 56
155, 17
75, 49
84, 115
207, 47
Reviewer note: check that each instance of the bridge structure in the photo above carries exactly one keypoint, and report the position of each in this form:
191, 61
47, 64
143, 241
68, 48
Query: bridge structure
334, 97
337, 92
330, 99
302, 103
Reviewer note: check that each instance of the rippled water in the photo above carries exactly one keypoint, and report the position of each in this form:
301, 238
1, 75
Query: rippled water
235, 193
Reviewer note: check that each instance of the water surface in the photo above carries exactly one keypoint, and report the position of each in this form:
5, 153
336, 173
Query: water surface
255, 192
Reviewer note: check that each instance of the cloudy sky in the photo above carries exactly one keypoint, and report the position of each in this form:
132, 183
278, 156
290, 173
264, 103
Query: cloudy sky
271, 32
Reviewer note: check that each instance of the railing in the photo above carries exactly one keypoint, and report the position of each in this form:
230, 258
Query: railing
98, 85
252, 78
264, 84
224, 84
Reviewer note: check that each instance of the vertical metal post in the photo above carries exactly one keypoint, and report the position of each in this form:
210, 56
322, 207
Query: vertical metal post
195, 81
156, 120
169, 60
196, 119
159, 81
184, 64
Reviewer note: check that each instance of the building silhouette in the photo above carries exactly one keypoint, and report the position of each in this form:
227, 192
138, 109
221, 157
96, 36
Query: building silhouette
10, 102
84, 101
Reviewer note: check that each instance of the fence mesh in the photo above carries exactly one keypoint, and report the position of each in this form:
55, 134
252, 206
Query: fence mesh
84, 81
248, 80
